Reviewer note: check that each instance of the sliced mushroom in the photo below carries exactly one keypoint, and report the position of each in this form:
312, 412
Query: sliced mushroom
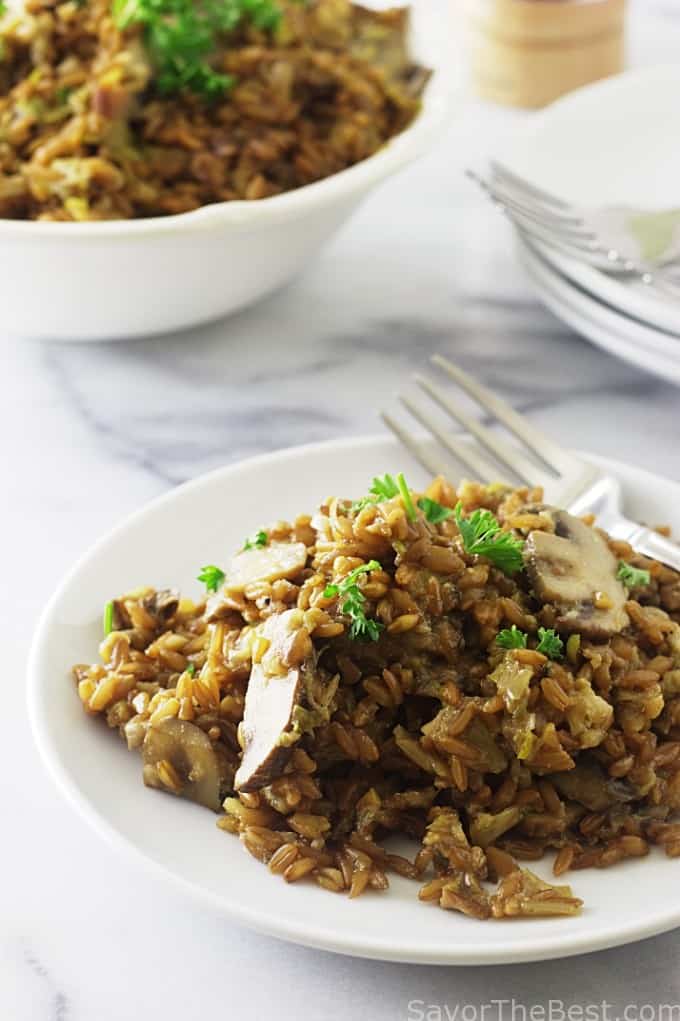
180, 758
275, 691
589, 785
575, 569
162, 604
586, 783
265, 563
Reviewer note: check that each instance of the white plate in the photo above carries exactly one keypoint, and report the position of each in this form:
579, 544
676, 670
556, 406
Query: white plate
164, 544
606, 144
652, 350
609, 143
631, 297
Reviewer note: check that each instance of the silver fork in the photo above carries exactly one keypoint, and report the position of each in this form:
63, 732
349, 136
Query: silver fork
610, 239
567, 480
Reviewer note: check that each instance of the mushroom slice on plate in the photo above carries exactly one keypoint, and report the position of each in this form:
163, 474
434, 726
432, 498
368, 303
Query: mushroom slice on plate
265, 563
162, 604
574, 568
180, 758
588, 785
275, 690
259, 564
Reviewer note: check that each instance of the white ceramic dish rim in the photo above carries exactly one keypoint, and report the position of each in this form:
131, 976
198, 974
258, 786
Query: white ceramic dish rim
651, 338
270, 922
619, 296
398, 151
587, 316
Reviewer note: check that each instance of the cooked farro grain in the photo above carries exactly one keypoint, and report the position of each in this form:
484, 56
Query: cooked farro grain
398, 712
89, 131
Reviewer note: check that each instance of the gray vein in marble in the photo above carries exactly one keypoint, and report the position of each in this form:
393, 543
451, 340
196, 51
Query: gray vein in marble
183, 405
112, 440
182, 434
59, 1006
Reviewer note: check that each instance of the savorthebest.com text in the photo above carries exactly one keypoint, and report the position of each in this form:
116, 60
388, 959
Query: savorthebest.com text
553, 1010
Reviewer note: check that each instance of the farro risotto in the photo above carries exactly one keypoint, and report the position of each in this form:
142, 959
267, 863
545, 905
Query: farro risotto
471, 669
115, 109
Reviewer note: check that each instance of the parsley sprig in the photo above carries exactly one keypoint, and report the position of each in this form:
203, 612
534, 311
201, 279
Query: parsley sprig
386, 487
633, 577
433, 511
107, 621
550, 643
212, 577
353, 603
511, 638
255, 541
383, 487
482, 535
182, 35
406, 497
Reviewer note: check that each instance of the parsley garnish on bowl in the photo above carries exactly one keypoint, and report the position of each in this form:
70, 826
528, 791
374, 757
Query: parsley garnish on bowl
483, 536
256, 541
212, 577
181, 36
386, 487
383, 487
353, 603
633, 577
107, 620
511, 638
550, 643
433, 511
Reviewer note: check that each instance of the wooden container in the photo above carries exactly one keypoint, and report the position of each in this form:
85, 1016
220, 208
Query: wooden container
529, 52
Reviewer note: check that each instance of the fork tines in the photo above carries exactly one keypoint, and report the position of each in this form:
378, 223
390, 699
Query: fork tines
515, 462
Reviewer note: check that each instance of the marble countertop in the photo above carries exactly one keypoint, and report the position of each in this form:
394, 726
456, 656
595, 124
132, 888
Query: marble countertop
92, 432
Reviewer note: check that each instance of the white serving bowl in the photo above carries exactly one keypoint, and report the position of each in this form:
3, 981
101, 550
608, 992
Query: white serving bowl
130, 278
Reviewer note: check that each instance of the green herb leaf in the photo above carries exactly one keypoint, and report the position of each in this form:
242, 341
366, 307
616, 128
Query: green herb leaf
511, 638
191, 669
212, 577
353, 600
550, 643
3, 8
62, 93
433, 511
482, 535
259, 539
363, 628
181, 37
405, 492
386, 487
633, 577
383, 487
107, 622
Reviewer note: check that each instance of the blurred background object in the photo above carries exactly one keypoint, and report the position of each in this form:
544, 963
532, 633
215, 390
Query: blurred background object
526, 53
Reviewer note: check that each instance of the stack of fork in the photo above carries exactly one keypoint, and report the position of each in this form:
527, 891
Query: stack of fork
607, 239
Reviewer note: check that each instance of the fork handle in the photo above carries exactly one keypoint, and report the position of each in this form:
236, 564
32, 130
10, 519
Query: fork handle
647, 541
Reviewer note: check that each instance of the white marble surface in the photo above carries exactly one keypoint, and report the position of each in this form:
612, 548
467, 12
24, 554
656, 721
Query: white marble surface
90, 433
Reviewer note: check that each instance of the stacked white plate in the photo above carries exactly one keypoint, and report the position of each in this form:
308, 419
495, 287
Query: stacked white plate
613, 143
